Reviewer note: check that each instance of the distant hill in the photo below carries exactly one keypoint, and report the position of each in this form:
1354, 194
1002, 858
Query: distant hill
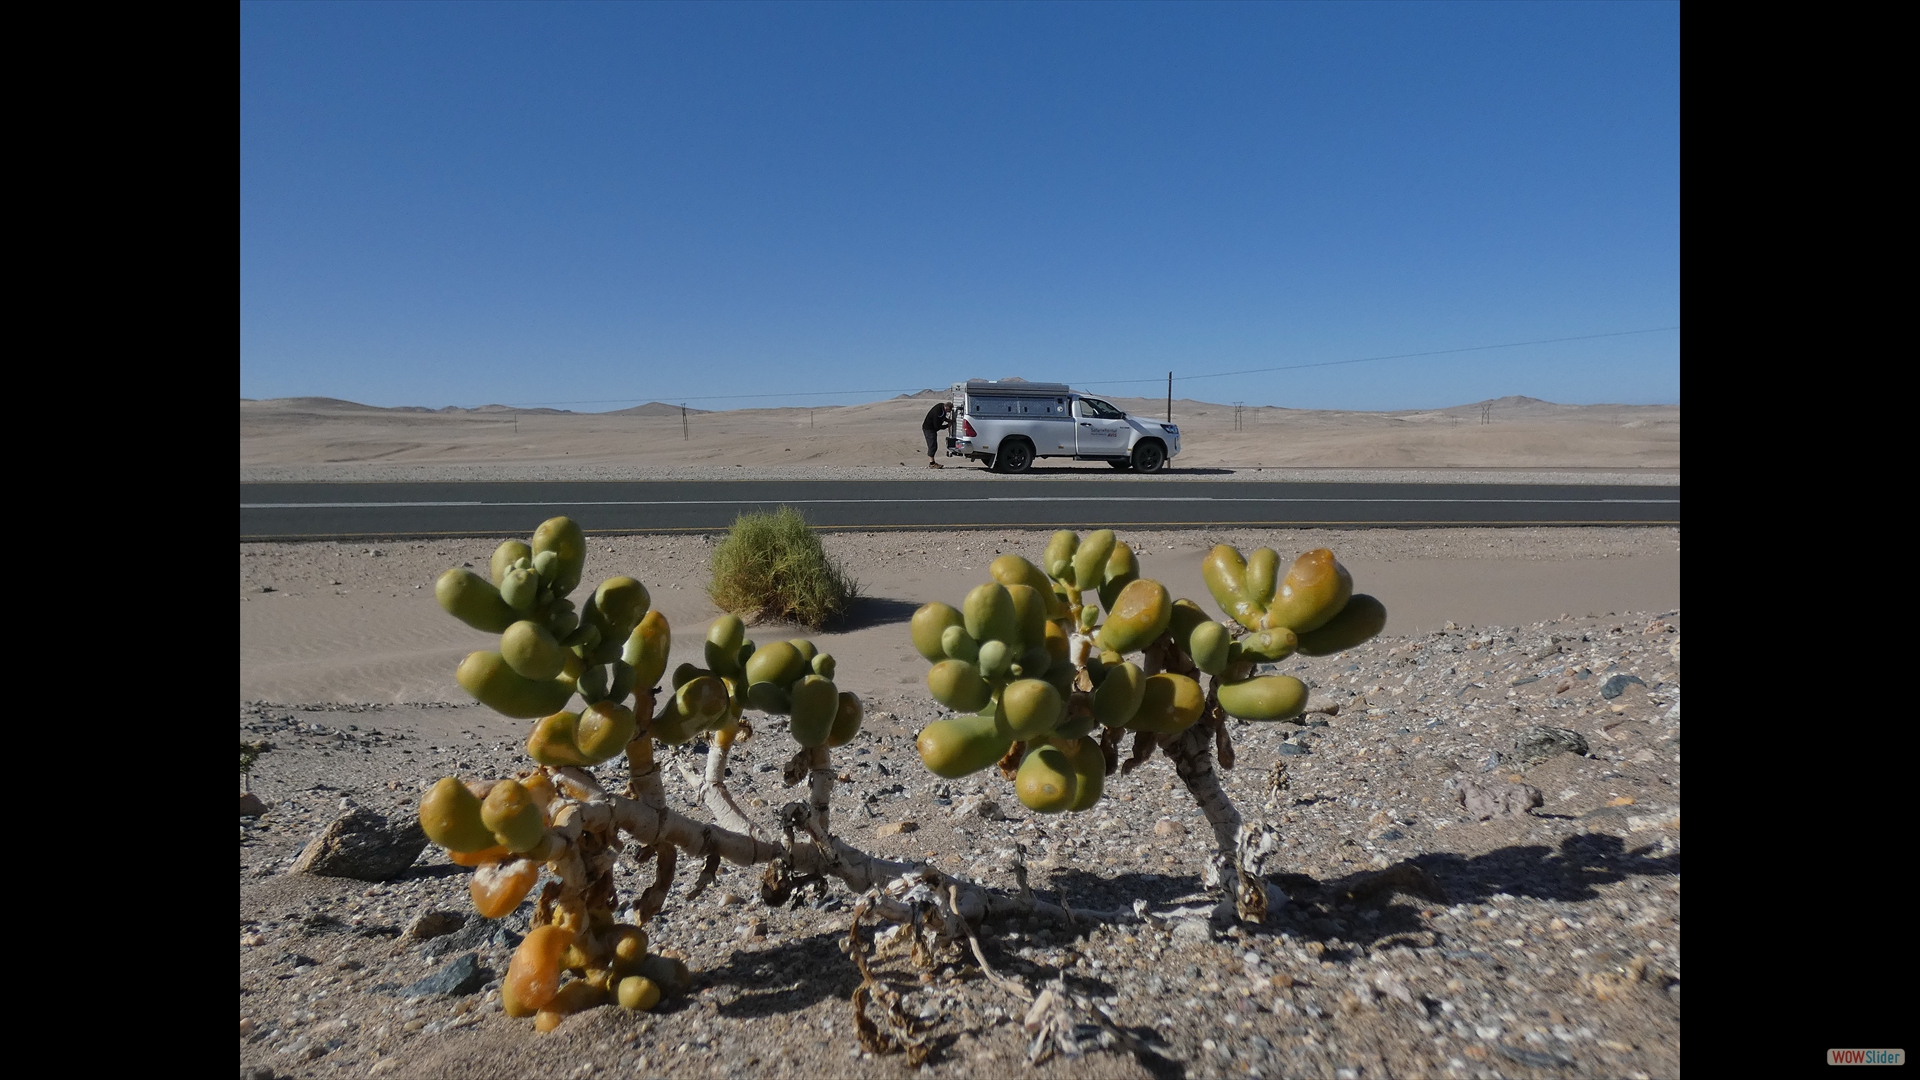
341, 405
658, 408
494, 409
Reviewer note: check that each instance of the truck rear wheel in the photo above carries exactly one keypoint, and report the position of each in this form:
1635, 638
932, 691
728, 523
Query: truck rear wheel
1149, 457
1014, 456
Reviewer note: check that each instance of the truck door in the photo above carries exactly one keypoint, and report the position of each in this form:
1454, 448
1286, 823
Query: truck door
1102, 428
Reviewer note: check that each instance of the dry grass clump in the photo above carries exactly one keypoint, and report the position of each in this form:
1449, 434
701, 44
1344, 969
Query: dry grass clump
771, 566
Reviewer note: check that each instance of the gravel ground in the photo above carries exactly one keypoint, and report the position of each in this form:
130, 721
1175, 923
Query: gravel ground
954, 470
1416, 940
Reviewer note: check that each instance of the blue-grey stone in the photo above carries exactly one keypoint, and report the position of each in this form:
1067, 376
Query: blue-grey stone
504, 932
1287, 749
462, 976
1617, 685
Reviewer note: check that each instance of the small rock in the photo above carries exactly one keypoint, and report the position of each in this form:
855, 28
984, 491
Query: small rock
977, 806
1618, 684
1288, 749
250, 805
1166, 827
1192, 930
435, 923
1487, 800
895, 828
729, 899
462, 976
251, 940
1657, 820
480, 934
756, 928
1540, 743
364, 846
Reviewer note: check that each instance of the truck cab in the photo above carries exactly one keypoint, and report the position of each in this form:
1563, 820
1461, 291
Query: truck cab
1009, 423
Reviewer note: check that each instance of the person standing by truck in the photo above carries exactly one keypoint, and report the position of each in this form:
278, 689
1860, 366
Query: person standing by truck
940, 416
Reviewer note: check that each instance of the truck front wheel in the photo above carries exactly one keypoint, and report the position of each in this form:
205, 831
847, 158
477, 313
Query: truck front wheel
1149, 457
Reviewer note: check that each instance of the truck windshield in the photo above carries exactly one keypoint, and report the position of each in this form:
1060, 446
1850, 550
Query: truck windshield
1097, 408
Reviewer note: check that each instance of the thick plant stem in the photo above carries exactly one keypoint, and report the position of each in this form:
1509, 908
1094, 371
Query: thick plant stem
1192, 754
648, 819
719, 800
643, 773
858, 870
820, 780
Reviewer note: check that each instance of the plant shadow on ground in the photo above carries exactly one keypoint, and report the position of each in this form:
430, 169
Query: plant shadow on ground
785, 978
864, 612
1359, 908
790, 977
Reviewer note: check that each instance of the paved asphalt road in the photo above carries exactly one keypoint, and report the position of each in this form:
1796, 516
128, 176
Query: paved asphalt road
393, 511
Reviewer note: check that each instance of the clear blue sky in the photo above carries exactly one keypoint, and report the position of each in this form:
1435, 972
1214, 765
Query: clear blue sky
602, 204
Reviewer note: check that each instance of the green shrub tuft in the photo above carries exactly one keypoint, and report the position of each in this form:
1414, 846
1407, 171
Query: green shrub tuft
771, 566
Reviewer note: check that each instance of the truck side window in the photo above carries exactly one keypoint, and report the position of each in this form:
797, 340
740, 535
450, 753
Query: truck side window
1096, 408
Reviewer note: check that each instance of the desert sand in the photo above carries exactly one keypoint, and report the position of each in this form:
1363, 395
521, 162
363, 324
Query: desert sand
343, 624
328, 439
1544, 943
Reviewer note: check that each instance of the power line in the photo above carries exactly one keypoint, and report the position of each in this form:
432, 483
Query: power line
1125, 382
1395, 356
715, 397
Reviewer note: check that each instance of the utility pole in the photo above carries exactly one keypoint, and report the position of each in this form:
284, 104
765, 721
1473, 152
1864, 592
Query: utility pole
683, 421
1169, 397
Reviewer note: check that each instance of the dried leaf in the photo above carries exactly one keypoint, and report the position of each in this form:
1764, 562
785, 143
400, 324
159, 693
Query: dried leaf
1143, 747
1009, 763
707, 874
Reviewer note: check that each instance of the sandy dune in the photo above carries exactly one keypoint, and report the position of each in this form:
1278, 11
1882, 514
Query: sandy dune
1523, 434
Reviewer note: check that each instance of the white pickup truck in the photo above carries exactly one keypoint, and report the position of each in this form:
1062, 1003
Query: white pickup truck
1007, 424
